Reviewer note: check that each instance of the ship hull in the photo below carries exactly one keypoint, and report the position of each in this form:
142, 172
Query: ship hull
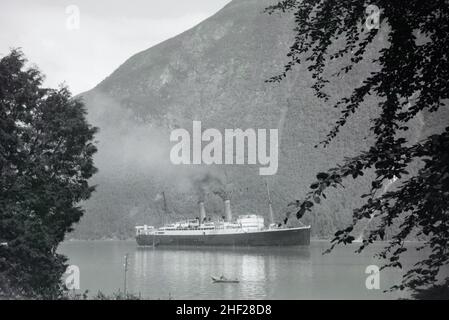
275, 237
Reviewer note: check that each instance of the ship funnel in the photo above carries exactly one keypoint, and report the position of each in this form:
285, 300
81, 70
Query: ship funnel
228, 212
202, 212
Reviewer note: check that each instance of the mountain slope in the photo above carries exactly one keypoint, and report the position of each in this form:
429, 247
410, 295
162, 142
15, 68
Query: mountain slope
215, 73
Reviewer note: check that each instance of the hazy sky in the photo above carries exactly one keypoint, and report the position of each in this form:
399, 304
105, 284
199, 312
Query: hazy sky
109, 32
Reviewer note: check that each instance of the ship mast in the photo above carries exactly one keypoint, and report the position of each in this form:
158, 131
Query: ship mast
165, 207
270, 207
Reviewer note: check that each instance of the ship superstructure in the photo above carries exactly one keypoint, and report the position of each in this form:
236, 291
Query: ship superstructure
245, 230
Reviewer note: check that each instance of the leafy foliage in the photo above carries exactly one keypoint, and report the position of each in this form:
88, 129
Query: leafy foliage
437, 292
46, 149
411, 77
119, 295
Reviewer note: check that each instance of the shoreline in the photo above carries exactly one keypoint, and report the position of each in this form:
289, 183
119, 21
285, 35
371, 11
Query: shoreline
133, 239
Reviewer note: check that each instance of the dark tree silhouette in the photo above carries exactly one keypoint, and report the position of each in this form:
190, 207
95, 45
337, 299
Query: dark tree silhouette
46, 149
413, 64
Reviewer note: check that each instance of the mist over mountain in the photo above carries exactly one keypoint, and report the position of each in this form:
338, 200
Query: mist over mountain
215, 73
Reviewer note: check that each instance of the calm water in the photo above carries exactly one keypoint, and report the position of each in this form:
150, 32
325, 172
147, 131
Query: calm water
264, 273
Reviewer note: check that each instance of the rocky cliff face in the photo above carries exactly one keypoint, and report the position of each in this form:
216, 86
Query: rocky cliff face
215, 73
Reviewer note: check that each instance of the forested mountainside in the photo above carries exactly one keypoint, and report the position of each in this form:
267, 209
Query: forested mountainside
215, 73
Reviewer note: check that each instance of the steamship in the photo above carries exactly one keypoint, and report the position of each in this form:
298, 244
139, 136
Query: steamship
245, 230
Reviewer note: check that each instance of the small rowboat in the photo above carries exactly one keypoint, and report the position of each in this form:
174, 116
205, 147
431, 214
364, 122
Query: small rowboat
224, 280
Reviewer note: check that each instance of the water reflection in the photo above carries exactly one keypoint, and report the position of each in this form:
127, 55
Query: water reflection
185, 272
264, 273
